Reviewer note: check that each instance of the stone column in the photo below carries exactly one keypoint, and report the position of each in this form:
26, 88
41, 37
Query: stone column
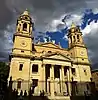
21, 28
52, 80
48, 85
43, 78
69, 80
62, 78
28, 27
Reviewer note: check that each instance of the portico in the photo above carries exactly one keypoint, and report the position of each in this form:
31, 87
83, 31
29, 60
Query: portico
56, 77
56, 83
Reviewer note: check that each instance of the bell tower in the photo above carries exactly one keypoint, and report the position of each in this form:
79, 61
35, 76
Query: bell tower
21, 53
75, 36
77, 47
24, 24
23, 37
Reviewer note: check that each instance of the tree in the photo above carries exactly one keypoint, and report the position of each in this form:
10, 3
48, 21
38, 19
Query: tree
4, 72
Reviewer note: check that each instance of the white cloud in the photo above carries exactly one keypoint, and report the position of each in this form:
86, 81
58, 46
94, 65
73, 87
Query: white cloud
90, 34
8, 34
52, 26
76, 18
95, 10
92, 28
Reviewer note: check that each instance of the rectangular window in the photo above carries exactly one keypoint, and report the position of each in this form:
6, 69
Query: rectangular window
19, 85
34, 68
73, 71
20, 67
35, 82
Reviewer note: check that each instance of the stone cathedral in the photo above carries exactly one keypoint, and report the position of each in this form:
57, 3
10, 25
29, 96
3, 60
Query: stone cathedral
48, 67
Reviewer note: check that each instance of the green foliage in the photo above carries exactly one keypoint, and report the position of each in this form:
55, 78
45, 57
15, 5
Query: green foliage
4, 71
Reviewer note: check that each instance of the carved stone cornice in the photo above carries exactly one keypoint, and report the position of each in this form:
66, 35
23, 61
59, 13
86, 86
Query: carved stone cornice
76, 45
82, 63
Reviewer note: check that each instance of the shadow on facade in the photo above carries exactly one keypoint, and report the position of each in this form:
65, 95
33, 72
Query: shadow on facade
79, 91
13, 95
84, 91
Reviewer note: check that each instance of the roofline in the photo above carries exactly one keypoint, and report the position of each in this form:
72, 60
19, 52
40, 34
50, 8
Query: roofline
41, 44
56, 53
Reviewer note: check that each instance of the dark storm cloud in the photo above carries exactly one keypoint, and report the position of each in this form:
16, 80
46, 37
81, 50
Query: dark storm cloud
91, 41
44, 4
43, 11
46, 10
5, 14
5, 18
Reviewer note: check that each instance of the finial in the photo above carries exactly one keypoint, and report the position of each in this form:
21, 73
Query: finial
49, 39
73, 25
26, 12
45, 40
53, 41
59, 44
38, 41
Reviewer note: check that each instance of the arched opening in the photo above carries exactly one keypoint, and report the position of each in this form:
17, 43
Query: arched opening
71, 39
25, 27
19, 27
78, 38
74, 38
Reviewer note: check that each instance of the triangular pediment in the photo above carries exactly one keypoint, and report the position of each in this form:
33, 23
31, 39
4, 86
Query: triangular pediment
57, 56
50, 44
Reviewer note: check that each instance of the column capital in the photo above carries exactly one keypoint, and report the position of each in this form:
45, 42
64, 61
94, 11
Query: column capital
52, 65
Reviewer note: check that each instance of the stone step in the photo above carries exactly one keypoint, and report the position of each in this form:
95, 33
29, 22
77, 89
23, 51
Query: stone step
59, 98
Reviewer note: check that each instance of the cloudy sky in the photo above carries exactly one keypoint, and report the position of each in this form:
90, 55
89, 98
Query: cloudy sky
47, 16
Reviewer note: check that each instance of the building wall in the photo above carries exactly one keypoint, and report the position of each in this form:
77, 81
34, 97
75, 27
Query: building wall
79, 54
17, 75
95, 78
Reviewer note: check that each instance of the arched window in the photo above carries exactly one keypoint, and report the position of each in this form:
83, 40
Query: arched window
78, 38
74, 38
71, 39
25, 27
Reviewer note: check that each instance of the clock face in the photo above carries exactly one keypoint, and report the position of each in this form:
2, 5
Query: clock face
23, 44
82, 53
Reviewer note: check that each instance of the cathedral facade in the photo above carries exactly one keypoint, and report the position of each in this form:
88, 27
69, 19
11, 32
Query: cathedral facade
48, 67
